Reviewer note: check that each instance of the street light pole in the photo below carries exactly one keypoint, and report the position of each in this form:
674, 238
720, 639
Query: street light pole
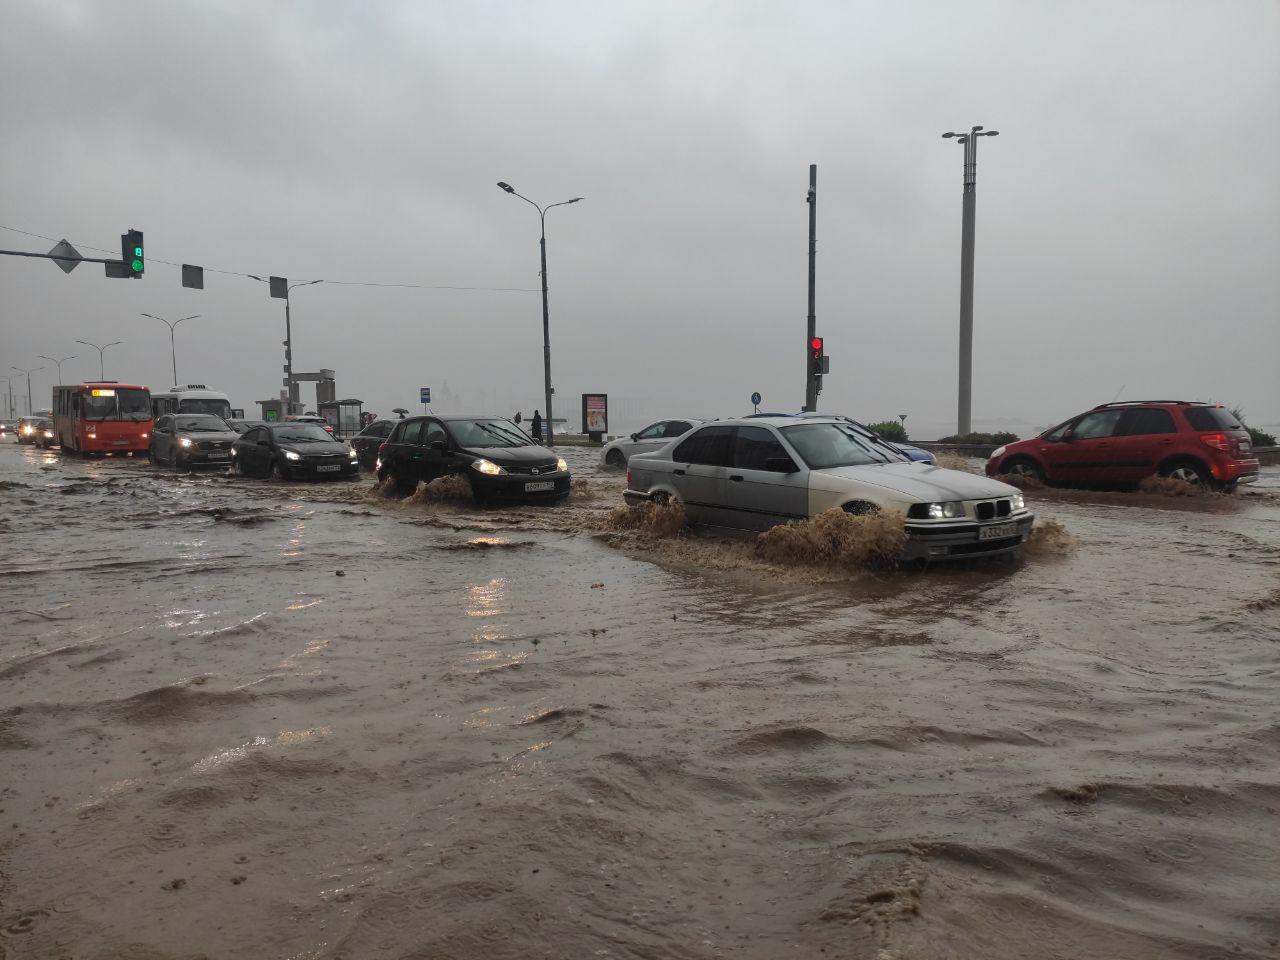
57, 363
173, 349
9, 383
546, 313
290, 385
30, 408
964, 419
102, 372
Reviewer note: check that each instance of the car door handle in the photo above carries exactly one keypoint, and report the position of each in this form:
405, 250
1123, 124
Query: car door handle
736, 477
678, 473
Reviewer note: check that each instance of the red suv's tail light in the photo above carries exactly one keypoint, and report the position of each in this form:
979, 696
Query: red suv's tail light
1219, 441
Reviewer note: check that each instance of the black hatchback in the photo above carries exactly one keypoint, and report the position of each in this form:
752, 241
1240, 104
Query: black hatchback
499, 459
292, 451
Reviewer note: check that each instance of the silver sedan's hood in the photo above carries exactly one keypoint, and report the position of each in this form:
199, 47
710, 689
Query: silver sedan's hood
920, 482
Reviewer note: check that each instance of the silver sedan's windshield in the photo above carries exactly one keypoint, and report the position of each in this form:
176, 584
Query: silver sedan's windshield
823, 445
201, 424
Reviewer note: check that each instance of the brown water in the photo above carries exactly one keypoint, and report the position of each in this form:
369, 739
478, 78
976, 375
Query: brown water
246, 719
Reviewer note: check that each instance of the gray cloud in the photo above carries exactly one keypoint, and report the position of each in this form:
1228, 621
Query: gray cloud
1128, 215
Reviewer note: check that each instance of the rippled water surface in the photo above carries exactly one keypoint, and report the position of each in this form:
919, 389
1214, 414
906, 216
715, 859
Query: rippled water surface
247, 719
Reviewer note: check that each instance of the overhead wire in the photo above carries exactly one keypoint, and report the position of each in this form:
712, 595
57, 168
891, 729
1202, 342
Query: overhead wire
249, 276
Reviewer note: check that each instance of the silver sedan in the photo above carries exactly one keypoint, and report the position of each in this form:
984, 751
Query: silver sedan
617, 453
752, 474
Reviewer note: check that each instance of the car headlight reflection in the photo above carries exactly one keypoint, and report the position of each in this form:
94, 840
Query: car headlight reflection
488, 467
49, 434
562, 465
290, 455
946, 511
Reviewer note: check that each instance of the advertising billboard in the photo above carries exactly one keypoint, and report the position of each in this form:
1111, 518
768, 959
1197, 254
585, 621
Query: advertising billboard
595, 413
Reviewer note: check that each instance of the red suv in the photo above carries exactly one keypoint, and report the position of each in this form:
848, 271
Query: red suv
1122, 443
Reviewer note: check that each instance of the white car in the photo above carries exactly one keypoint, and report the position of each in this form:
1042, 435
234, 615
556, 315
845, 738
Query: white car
754, 473
617, 453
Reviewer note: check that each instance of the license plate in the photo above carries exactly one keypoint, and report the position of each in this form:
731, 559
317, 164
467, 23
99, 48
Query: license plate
119, 443
540, 485
217, 456
998, 532
329, 468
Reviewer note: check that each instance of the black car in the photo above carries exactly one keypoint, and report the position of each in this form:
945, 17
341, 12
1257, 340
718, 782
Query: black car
494, 454
292, 451
186, 440
241, 426
368, 440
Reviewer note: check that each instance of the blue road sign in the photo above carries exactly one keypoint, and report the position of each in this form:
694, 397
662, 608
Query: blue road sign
424, 394
755, 399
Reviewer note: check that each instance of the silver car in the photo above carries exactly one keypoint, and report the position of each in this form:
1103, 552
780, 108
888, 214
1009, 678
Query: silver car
752, 474
617, 453
185, 440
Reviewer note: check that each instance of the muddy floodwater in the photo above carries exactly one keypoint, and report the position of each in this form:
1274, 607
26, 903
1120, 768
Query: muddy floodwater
247, 719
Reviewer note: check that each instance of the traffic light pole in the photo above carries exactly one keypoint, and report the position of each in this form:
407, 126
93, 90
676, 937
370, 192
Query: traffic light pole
812, 377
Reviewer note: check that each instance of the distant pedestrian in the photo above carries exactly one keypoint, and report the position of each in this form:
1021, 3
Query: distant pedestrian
536, 425
518, 418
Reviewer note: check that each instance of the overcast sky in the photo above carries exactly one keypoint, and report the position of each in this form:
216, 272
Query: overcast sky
1128, 223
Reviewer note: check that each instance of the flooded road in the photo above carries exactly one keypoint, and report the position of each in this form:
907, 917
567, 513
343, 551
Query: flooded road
244, 719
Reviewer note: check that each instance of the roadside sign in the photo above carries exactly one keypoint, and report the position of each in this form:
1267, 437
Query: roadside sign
595, 414
64, 249
424, 394
756, 398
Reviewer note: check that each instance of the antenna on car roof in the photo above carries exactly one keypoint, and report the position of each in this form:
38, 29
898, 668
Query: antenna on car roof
1118, 392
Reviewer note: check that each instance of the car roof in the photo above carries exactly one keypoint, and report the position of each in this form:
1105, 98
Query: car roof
778, 420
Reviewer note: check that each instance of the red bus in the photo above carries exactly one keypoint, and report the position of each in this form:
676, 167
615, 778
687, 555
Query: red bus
102, 418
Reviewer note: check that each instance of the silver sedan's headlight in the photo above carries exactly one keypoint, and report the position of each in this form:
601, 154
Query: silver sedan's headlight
945, 511
562, 465
488, 467
1017, 502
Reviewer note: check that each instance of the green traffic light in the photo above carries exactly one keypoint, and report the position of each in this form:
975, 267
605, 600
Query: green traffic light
137, 266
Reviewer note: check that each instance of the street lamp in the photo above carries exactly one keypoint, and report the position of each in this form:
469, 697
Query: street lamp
30, 408
102, 374
9, 383
970, 141
172, 347
546, 321
57, 363
288, 339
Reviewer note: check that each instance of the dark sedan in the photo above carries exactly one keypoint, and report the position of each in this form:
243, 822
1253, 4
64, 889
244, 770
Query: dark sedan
368, 440
185, 440
292, 451
498, 458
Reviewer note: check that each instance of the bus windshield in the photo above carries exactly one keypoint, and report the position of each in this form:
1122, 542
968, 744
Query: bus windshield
217, 408
116, 404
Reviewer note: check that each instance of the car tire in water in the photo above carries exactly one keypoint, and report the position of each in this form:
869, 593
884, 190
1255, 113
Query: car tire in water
614, 458
1188, 471
1024, 467
279, 471
176, 463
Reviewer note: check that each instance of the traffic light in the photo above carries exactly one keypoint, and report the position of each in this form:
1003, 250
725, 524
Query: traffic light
131, 253
815, 355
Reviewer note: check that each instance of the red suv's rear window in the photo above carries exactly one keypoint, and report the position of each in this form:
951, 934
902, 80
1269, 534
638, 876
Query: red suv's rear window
1211, 418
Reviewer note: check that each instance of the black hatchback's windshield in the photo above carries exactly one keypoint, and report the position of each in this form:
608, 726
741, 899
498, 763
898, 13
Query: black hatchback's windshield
823, 445
200, 424
112, 403
301, 433
488, 433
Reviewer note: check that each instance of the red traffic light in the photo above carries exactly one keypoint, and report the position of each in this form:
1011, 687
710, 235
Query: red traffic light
816, 344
